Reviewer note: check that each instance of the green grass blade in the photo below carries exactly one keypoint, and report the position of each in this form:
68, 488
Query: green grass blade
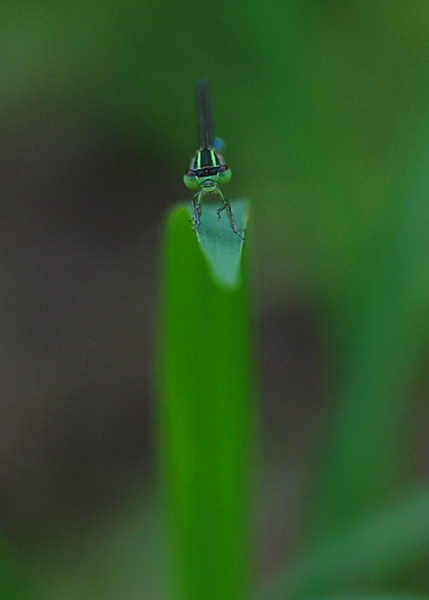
381, 545
365, 457
221, 246
205, 418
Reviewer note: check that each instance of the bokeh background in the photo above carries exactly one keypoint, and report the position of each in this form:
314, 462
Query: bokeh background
324, 109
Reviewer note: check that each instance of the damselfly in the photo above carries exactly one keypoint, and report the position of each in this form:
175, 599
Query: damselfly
207, 170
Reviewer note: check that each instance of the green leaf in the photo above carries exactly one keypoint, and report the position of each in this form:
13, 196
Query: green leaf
386, 330
378, 545
205, 415
221, 246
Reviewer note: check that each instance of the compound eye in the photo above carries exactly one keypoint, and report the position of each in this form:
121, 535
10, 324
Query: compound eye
191, 180
224, 174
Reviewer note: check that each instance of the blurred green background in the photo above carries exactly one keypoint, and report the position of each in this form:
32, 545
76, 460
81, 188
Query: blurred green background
324, 109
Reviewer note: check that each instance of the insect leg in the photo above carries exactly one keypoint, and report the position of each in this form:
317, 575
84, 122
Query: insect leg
196, 203
219, 210
227, 205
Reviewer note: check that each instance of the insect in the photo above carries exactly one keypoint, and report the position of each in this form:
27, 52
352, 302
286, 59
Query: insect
207, 170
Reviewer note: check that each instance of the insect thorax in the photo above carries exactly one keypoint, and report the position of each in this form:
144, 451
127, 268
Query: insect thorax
206, 158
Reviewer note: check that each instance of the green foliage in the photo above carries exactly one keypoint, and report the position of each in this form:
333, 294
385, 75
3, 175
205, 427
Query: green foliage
220, 245
379, 545
323, 106
206, 410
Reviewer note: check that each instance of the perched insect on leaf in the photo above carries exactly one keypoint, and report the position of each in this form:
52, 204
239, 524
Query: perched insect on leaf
208, 170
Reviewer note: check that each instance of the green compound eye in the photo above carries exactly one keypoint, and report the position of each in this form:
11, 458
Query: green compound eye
191, 180
224, 175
